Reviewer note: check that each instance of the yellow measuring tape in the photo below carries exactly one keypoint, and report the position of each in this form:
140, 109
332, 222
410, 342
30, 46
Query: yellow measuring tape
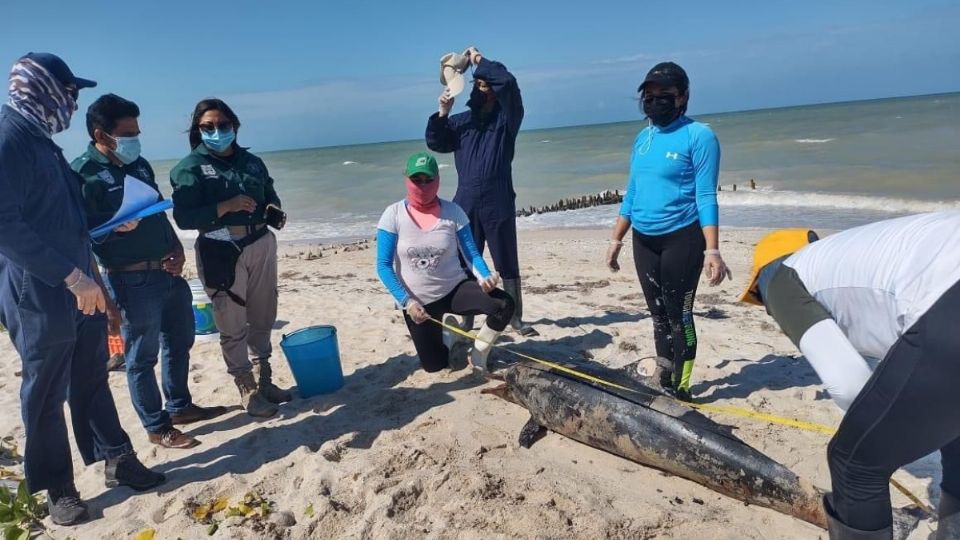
718, 409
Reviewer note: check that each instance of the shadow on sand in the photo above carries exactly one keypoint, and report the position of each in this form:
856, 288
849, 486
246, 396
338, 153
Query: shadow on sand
368, 404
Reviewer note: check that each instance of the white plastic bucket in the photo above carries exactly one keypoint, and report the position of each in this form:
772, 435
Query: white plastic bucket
204, 326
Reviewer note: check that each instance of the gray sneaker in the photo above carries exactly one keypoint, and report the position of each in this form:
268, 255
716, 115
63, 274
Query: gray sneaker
66, 507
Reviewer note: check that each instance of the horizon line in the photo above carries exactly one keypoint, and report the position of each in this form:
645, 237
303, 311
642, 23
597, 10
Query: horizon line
571, 126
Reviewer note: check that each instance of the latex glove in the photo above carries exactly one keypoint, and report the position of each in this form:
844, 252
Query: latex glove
613, 252
446, 103
89, 293
715, 269
489, 284
416, 312
128, 226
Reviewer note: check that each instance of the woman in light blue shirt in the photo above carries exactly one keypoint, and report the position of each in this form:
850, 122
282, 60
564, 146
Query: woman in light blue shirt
671, 205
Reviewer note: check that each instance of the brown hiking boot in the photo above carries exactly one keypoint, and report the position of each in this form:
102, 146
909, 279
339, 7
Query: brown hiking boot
254, 403
194, 413
268, 390
172, 438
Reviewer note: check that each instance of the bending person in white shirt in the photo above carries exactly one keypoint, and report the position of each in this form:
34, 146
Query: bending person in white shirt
888, 290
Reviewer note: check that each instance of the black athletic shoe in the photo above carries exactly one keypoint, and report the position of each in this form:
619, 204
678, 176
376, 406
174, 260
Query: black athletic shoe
127, 470
65, 507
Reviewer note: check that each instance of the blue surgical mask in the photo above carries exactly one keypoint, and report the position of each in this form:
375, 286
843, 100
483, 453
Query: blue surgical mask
218, 141
127, 150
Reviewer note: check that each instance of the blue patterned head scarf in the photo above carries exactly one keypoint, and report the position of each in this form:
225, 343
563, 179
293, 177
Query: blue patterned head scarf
40, 97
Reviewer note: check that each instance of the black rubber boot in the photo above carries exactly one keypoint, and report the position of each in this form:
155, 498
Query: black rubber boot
839, 531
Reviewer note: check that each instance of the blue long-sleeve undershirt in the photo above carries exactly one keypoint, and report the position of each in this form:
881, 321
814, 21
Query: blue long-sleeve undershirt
673, 178
387, 250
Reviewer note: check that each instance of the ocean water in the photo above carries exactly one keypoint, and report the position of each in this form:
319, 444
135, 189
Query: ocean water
825, 166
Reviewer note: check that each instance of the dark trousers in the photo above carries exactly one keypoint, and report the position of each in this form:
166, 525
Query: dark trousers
501, 236
64, 355
909, 408
669, 267
157, 319
465, 299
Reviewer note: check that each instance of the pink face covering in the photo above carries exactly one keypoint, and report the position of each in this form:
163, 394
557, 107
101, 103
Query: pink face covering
423, 203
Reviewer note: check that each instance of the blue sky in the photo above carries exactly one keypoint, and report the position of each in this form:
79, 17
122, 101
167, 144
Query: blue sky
318, 73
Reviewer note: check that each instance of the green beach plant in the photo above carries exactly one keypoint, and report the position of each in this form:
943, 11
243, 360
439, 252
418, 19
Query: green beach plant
21, 513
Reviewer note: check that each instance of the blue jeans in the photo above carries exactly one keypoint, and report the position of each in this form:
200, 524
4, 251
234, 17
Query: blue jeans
157, 317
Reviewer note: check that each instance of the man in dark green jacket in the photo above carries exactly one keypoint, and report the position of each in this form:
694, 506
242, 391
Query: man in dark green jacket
143, 262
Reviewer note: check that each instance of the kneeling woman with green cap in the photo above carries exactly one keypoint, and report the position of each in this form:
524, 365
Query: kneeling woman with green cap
887, 290
419, 241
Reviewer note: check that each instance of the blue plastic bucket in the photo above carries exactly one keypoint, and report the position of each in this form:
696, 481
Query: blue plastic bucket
314, 358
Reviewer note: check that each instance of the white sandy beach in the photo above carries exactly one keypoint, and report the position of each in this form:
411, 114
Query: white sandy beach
400, 453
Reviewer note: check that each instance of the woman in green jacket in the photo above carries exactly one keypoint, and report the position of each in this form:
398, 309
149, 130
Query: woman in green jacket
226, 194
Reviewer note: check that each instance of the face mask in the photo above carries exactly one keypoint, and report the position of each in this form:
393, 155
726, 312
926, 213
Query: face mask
127, 150
218, 141
40, 97
661, 110
422, 196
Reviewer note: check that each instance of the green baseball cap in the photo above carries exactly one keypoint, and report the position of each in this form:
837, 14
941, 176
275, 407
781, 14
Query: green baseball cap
422, 163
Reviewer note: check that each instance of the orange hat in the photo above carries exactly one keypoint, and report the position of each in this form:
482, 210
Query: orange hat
770, 248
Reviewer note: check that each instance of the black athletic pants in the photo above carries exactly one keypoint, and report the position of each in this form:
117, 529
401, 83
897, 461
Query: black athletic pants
668, 267
908, 409
467, 298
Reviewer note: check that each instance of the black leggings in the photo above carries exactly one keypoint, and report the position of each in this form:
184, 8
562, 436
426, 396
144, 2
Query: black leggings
467, 298
909, 408
668, 267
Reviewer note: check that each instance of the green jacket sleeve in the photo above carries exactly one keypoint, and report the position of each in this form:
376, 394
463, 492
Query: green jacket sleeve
191, 210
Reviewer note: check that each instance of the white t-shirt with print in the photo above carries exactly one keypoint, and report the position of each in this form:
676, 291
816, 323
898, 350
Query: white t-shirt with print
427, 261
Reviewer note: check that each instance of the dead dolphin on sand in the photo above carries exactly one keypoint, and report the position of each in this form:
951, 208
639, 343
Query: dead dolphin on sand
646, 426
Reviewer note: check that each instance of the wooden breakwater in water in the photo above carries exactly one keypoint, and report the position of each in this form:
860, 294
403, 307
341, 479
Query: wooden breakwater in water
610, 196
574, 203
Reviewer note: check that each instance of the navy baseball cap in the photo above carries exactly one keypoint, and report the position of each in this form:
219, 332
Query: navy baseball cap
58, 68
666, 74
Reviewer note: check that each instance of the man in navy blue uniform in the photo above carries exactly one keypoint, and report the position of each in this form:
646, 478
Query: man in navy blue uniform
50, 300
483, 140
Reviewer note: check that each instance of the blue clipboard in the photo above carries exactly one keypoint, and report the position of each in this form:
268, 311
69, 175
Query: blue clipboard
155, 208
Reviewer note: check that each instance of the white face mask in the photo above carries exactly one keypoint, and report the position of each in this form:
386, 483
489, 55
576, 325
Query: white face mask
127, 150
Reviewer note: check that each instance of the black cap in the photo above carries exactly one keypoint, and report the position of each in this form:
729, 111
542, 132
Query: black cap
58, 68
666, 74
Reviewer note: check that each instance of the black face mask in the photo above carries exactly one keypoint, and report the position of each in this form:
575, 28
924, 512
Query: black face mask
477, 98
661, 110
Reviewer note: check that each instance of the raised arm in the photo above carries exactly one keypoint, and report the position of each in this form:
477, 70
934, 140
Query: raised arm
440, 136
504, 85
